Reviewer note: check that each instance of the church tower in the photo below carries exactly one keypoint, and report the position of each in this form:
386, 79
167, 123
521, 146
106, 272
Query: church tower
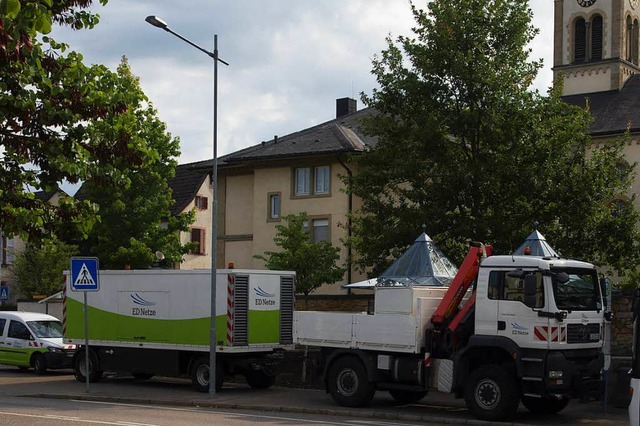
595, 44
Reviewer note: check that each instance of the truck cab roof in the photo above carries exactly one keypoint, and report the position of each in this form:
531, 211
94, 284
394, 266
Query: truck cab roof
532, 262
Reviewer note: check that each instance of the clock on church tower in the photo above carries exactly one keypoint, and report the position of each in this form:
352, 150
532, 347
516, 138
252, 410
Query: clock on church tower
586, 3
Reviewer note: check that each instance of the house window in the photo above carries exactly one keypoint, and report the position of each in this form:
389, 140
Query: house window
7, 246
202, 203
198, 236
319, 181
303, 177
321, 178
274, 206
319, 231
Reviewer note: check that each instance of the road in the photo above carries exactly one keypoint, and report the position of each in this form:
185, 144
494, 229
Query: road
26, 411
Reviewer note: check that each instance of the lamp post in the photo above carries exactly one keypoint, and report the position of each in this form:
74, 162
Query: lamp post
159, 23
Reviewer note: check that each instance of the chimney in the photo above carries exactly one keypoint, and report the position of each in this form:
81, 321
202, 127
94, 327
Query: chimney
345, 106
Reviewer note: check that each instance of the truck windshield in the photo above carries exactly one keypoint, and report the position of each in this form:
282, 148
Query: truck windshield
46, 328
580, 293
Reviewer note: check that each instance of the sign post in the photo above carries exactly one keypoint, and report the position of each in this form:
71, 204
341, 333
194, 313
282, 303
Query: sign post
4, 294
84, 278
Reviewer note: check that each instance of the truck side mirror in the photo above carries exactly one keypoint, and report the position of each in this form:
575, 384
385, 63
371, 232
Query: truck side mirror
530, 290
604, 290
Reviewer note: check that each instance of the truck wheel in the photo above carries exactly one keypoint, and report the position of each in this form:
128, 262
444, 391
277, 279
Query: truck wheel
39, 364
200, 375
258, 379
348, 383
492, 393
80, 368
406, 396
544, 405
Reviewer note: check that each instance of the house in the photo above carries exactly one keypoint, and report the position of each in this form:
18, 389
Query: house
298, 172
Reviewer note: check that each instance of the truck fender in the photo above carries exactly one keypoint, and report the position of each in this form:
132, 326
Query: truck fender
485, 349
367, 359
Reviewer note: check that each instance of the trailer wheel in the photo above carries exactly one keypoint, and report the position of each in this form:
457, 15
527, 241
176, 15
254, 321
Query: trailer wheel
39, 364
544, 405
200, 375
258, 379
80, 369
492, 393
406, 396
348, 383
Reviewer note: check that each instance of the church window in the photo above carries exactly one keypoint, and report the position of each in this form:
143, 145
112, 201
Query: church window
634, 42
596, 38
580, 40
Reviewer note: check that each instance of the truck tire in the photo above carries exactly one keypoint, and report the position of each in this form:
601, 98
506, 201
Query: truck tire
348, 384
406, 396
544, 406
39, 364
492, 393
80, 370
200, 375
258, 379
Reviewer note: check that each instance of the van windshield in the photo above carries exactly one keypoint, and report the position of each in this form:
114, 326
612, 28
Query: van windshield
46, 328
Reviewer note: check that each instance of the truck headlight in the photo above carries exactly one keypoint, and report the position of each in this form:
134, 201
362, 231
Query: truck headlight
555, 374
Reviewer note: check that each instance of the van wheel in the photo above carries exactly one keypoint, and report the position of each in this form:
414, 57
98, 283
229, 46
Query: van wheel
348, 384
39, 364
258, 379
543, 406
80, 368
200, 375
492, 393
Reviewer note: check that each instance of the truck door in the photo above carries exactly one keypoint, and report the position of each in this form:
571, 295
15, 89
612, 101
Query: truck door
517, 321
19, 343
3, 339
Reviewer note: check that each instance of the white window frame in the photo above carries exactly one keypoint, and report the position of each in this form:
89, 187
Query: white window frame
322, 180
302, 181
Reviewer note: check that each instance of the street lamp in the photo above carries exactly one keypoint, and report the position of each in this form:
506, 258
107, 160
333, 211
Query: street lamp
159, 23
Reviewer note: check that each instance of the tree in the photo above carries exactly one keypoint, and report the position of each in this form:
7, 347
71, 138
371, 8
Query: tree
37, 270
314, 263
59, 119
135, 221
466, 147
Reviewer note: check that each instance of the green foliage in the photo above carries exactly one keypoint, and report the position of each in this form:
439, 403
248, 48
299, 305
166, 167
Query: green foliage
314, 263
135, 220
59, 119
38, 269
467, 148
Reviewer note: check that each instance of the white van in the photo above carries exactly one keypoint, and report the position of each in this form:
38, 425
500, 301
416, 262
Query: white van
30, 339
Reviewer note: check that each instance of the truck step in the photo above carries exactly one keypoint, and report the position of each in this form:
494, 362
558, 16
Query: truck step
532, 359
532, 395
532, 379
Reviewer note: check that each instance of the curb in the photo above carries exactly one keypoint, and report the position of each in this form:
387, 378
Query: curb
284, 409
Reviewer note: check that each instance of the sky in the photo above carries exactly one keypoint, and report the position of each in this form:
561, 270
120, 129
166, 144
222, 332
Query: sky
289, 60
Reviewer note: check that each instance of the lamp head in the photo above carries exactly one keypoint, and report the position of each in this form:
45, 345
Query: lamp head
156, 22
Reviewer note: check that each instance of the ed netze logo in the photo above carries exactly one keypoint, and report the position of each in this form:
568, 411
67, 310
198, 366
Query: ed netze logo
263, 297
519, 330
143, 310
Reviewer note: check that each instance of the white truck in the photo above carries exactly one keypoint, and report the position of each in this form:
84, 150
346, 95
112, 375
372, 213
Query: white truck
507, 329
158, 322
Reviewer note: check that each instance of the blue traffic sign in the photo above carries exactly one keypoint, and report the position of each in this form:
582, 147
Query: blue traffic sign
4, 294
84, 274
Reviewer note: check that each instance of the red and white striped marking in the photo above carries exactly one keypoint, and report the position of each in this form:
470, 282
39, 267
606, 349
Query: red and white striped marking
545, 333
64, 307
230, 308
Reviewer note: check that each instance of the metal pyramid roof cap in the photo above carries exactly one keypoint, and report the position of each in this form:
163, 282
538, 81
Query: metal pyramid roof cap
538, 246
422, 264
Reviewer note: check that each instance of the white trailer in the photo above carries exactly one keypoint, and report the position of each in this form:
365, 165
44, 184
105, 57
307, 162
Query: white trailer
158, 322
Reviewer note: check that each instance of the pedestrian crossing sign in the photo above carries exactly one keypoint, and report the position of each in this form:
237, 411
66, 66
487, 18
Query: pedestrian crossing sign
4, 294
84, 274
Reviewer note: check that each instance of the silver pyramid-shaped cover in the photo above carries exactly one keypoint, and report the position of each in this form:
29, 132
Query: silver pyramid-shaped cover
538, 245
422, 264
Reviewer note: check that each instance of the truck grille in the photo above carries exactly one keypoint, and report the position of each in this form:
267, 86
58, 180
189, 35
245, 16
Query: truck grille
583, 333
287, 301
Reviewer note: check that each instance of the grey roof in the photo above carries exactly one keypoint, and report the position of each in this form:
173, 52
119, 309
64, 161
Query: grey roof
612, 111
46, 195
538, 246
422, 264
185, 185
340, 135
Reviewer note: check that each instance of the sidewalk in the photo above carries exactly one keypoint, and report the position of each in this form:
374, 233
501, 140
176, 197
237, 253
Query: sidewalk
434, 409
